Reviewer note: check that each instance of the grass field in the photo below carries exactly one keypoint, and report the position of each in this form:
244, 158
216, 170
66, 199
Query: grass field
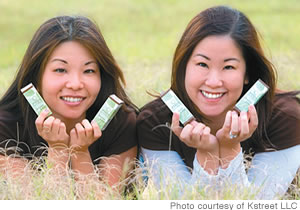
143, 35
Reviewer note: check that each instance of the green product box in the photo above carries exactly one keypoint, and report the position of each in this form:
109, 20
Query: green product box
252, 96
108, 111
35, 99
175, 105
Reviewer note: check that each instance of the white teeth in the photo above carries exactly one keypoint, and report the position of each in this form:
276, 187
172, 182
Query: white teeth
211, 95
71, 99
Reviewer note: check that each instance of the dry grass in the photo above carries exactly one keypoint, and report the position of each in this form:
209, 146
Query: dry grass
43, 183
144, 50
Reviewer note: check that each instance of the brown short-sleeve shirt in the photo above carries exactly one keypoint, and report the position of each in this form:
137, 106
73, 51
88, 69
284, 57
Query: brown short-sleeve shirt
153, 133
118, 137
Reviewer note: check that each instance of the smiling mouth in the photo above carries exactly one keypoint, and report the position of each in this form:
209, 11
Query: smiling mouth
72, 99
212, 95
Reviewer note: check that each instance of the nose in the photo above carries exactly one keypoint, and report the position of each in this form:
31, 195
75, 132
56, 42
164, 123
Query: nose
74, 81
214, 79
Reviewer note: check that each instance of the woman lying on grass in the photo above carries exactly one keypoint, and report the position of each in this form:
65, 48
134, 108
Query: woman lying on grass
217, 60
72, 68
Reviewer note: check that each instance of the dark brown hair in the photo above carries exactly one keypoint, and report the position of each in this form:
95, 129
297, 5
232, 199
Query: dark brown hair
49, 35
223, 20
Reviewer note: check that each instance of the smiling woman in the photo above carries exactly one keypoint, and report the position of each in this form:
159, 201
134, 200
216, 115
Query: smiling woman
70, 82
215, 62
218, 59
74, 71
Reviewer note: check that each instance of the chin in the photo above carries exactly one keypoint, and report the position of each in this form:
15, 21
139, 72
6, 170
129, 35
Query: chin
212, 112
72, 116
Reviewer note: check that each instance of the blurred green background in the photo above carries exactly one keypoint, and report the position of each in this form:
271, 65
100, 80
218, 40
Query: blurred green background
143, 34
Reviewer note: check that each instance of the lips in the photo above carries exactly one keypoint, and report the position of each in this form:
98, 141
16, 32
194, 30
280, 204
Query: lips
72, 99
210, 95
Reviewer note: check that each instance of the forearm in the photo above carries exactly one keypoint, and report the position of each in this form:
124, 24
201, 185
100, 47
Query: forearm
58, 159
16, 169
209, 160
169, 174
228, 151
164, 167
115, 169
13, 167
81, 163
270, 173
273, 172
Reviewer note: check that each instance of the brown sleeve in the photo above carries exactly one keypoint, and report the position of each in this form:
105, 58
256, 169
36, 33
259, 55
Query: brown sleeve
118, 137
284, 126
10, 143
7, 140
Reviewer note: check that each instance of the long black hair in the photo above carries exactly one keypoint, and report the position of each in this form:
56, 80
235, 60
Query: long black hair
223, 20
49, 35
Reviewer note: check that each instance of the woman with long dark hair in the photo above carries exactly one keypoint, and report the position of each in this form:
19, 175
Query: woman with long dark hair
72, 68
217, 60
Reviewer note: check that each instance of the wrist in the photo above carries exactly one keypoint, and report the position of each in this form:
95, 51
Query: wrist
211, 146
58, 146
230, 145
79, 150
228, 151
58, 150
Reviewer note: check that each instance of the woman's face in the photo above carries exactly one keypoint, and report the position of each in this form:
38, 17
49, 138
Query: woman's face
71, 81
215, 75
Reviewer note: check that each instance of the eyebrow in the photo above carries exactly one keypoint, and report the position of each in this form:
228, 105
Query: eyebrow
225, 60
89, 62
63, 61
232, 59
204, 56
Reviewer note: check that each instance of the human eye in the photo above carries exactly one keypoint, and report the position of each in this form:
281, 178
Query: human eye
201, 64
89, 71
60, 70
229, 67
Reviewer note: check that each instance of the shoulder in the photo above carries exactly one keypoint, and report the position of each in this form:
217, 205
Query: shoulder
152, 125
123, 119
154, 110
128, 114
7, 121
118, 137
286, 105
8, 132
6, 116
283, 127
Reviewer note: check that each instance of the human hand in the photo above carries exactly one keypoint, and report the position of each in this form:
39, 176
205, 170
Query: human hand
238, 128
52, 130
195, 134
83, 135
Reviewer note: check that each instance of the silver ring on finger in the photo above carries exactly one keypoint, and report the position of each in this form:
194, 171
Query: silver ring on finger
232, 136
